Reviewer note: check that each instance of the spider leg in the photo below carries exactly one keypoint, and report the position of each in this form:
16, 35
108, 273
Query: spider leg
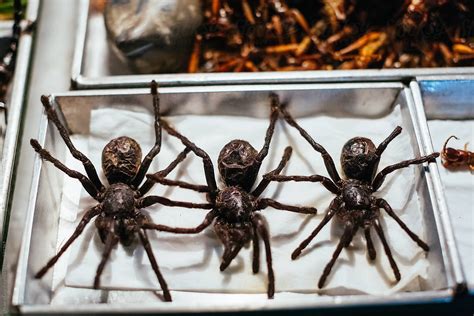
208, 166
88, 166
265, 182
146, 244
264, 203
380, 177
370, 244
177, 230
328, 161
111, 241
384, 204
80, 227
229, 255
178, 183
263, 231
86, 182
275, 103
163, 173
333, 208
348, 233
157, 146
383, 145
326, 182
387, 250
153, 199
256, 251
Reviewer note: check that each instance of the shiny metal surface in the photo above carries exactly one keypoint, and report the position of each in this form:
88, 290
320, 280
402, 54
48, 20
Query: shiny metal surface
368, 100
95, 66
14, 114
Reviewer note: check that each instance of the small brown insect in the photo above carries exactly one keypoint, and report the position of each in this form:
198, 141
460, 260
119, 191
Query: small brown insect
457, 158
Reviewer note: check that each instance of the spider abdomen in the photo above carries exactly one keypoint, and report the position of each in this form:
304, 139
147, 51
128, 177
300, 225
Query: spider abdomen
234, 205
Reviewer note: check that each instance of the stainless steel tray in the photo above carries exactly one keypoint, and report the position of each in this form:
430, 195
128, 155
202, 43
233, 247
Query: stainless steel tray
367, 100
95, 66
15, 108
451, 103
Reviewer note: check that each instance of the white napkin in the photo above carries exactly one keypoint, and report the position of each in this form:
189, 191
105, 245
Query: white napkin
191, 263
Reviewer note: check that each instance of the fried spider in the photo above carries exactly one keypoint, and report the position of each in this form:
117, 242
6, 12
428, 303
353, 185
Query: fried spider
234, 206
355, 205
118, 215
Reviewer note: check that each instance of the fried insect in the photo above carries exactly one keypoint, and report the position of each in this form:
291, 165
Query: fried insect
355, 205
7, 64
457, 158
117, 215
235, 205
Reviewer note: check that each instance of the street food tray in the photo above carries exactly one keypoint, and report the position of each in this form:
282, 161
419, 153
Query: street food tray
95, 65
369, 103
15, 101
449, 110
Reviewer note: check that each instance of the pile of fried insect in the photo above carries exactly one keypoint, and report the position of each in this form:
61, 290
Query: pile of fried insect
234, 206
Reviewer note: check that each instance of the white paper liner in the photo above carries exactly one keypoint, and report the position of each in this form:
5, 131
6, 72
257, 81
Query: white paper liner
191, 263
459, 188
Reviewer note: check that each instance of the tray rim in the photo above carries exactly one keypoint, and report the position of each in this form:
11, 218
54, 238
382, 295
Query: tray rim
15, 108
443, 295
81, 81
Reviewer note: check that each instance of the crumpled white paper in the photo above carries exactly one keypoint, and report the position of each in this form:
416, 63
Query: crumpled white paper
191, 262
458, 186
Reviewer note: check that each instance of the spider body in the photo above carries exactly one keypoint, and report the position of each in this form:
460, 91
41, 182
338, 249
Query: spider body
235, 205
355, 205
118, 216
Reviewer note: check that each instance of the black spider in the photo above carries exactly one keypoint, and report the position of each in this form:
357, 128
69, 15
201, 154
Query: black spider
234, 206
355, 204
118, 215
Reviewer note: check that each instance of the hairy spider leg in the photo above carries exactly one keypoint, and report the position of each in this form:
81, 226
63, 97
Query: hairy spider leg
80, 227
148, 184
256, 251
333, 208
326, 182
384, 204
274, 104
110, 242
264, 203
85, 181
88, 166
328, 161
383, 145
230, 252
265, 182
208, 166
154, 199
263, 231
155, 150
380, 177
146, 244
370, 243
393, 264
347, 235
177, 230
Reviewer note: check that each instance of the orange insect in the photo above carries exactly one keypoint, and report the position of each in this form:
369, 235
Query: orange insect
456, 158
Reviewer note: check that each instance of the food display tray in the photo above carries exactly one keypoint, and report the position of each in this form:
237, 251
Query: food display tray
14, 114
95, 66
367, 100
449, 109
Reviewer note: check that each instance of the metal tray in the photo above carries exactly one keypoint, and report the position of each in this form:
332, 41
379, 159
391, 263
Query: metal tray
14, 114
368, 100
450, 102
95, 66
